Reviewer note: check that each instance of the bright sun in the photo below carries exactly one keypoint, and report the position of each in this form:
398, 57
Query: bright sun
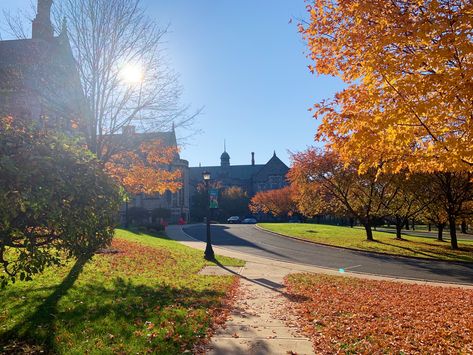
132, 73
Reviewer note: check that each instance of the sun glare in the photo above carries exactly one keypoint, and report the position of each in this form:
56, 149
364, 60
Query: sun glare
132, 74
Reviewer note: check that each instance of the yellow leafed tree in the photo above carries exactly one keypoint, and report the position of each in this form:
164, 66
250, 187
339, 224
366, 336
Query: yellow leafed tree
408, 69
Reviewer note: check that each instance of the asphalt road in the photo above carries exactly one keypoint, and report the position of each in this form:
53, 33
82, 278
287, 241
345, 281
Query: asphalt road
249, 239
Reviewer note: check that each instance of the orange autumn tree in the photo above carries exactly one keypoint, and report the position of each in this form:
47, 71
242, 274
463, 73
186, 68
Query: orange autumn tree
324, 184
278, 202
146, 170
408, 69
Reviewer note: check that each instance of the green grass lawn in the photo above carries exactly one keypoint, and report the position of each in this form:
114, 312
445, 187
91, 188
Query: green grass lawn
147, 298
355, 238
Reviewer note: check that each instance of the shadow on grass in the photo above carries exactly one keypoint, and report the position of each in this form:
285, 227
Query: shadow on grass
118, 312
18, 339
430, 254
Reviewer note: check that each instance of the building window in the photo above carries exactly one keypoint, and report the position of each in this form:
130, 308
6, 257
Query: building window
275, 182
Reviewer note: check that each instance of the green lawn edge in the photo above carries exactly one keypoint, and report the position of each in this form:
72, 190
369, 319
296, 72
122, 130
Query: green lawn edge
385, 243
145, 296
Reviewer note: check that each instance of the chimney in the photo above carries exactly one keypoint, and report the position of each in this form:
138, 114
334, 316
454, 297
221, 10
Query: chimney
128, 130
253, 158
42, 26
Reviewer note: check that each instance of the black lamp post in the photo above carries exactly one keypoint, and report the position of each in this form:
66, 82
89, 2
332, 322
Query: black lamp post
209, 253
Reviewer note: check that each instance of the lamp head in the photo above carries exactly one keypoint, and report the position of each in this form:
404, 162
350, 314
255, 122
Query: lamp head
206, 176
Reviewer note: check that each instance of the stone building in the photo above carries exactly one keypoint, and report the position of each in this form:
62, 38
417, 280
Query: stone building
39, 80
252, 178
177, 203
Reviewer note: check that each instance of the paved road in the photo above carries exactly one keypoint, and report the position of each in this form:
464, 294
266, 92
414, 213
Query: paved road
249, 239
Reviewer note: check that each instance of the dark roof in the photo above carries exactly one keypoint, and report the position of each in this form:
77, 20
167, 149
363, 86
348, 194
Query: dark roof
42, 70
132, 141
135, 139
274, 166
34, 57
233, 172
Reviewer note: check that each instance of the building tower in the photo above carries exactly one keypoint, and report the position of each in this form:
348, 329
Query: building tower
225, 157
42, 26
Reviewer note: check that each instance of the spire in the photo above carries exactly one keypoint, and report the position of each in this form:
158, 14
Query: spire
42, 26
173, 127
225, 157
274, 155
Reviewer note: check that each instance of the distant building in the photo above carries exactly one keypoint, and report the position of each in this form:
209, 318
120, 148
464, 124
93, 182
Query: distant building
252, 178
177, 203
39, 79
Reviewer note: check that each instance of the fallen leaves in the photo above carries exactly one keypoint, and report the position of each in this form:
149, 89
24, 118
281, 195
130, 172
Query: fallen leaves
349, 315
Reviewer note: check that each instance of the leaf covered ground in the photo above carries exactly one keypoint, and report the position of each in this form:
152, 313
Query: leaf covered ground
345, 315
143, 295
355, 238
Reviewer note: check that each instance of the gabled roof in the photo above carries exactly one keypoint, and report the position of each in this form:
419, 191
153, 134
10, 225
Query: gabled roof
45, 72
28, 60
274, 166
132, 141
233, 172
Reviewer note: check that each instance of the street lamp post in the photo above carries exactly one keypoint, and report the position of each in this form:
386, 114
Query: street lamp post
126, 211
209, 253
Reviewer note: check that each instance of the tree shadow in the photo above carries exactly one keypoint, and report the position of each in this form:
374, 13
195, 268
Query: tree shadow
120, 310
270, 285
18, 339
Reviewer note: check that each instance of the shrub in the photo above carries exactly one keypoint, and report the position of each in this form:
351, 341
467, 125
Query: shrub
55, 201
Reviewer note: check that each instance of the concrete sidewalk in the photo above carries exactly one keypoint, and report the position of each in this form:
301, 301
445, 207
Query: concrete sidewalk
259, 323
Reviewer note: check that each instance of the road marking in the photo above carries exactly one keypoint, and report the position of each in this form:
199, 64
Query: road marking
352, 267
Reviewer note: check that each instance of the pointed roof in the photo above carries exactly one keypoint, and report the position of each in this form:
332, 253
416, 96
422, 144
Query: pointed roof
274, 166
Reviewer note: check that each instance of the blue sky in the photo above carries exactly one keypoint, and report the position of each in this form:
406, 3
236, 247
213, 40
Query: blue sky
246, 65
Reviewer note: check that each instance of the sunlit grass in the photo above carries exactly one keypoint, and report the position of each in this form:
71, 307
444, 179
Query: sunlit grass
355, 238
147, 297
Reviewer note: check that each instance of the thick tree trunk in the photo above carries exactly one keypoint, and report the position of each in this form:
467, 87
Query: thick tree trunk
413, 225
398, 231
464, 227
407, 225
453, 232
440, 228
430, 227
369, 232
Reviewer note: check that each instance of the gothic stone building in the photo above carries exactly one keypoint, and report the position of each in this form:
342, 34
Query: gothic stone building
39, 80
177, 203
252, 178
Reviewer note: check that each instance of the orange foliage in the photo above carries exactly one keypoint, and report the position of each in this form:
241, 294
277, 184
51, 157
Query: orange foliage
347, 315
147, 170
278, 202
408, 68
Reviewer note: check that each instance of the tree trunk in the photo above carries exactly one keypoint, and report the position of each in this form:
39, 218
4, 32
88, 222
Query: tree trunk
440, 232
369, 232
407, 225
464, 227
398, 231
352, 222
413, 225
453, 232
430, 227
